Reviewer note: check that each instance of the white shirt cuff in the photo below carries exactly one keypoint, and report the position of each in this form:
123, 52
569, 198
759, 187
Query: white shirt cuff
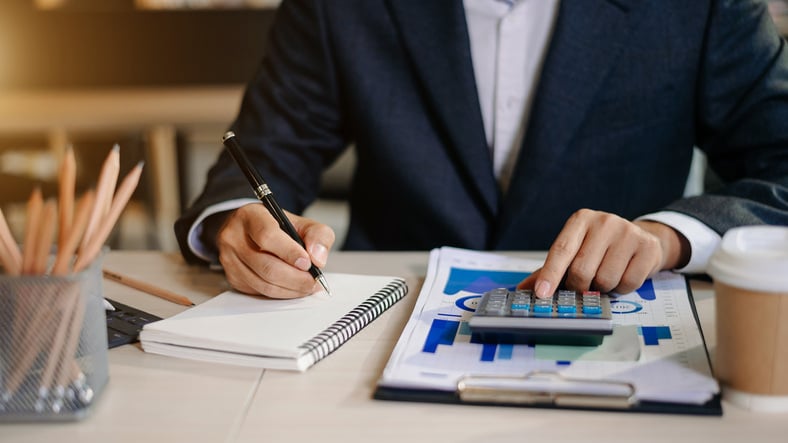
702, 239
195, 231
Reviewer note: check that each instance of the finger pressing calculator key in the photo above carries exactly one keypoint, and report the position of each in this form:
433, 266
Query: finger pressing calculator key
518, 316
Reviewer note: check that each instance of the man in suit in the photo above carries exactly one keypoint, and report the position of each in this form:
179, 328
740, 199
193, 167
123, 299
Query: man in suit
506, 124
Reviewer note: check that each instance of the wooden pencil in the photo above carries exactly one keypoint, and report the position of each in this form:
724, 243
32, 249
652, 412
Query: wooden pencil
68, 357
66, 182
26, 324
96, 240
6, 260
25, 303
66, 303
34, 206
43, 313
46, 233
53, 308
105, 187
148, 288
66, 252
12, 256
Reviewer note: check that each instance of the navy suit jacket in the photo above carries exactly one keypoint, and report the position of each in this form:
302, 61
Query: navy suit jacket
627, 88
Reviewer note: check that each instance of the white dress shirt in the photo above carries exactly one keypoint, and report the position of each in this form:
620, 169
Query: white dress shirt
509, 40
508, 43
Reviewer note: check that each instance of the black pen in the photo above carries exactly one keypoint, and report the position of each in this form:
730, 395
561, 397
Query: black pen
264, 194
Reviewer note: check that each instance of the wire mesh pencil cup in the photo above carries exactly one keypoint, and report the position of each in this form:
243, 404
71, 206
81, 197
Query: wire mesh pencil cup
53, 345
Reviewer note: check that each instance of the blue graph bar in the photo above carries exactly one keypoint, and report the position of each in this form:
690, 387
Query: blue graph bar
488, 352
505, 351
653, 334
442, 332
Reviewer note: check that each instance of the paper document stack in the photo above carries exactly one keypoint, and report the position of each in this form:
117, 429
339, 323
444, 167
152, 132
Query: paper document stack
656, 355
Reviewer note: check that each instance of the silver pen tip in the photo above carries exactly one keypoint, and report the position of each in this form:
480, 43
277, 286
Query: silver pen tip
324, 283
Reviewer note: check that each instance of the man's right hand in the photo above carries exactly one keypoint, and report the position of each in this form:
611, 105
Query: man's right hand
259, 258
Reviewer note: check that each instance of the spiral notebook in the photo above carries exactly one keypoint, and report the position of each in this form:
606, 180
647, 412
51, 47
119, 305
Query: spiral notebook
257, 331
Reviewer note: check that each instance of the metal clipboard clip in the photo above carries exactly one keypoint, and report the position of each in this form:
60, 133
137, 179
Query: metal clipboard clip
546, 388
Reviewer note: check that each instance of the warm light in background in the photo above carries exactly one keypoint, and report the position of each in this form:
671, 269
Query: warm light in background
45, 5
29, 162
204, 4
49, 4
4, 58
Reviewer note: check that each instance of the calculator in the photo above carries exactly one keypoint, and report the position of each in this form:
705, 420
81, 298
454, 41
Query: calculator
125, 323
518, 316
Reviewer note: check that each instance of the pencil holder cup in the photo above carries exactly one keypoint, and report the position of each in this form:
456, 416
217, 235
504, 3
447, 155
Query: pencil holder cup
53, 345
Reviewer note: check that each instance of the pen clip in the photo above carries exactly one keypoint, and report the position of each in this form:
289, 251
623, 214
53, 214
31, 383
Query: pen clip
546, 388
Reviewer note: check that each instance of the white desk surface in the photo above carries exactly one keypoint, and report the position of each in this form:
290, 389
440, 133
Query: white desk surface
152, 398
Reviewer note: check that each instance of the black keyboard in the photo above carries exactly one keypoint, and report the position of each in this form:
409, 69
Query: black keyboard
125, 323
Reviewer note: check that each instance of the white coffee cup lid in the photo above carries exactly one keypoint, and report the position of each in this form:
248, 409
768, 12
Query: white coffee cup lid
752, 257
756, 402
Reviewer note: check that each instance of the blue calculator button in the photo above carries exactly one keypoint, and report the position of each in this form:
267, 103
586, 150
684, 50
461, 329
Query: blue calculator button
543, 308
520, 310
592, 310
567, 309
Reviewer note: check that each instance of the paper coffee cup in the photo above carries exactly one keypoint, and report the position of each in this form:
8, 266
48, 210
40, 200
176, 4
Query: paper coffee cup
750, 273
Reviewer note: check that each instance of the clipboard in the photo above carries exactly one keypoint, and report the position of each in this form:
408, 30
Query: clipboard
619, 398
534, 388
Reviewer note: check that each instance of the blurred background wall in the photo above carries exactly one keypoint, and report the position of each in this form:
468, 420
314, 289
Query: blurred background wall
162, 79
115, 43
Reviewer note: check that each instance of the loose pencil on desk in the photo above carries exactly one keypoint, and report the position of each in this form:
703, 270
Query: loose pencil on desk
148, 288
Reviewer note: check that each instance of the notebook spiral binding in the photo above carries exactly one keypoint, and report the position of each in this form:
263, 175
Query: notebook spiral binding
338, 333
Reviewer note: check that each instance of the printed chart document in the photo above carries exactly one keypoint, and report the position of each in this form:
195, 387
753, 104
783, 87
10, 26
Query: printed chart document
262, 332
655, 360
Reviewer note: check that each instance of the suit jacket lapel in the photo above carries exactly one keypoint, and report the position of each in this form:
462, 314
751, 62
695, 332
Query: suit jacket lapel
585, 44
435, 36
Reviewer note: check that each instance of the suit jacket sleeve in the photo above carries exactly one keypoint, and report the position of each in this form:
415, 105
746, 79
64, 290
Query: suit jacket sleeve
289, 122
742, 119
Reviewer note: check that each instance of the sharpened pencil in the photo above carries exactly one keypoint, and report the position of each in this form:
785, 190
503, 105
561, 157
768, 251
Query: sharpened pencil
147, 288
66, 181
108, 177
11, 255
66, 252
92, 246
35, 205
